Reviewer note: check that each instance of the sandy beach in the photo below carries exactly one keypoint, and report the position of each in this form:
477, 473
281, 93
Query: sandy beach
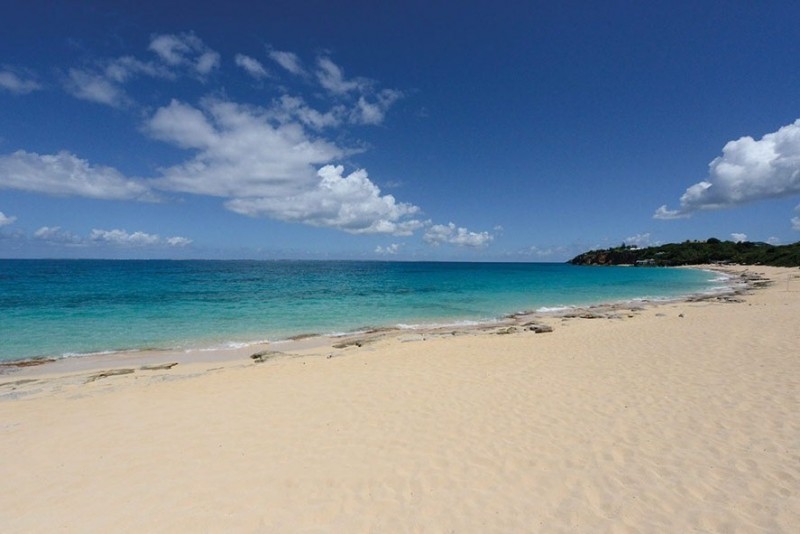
677, 417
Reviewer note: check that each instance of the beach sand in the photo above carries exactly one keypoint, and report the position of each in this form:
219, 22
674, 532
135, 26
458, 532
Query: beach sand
679, 417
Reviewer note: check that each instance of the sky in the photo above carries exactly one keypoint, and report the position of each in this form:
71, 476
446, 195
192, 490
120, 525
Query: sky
469, 131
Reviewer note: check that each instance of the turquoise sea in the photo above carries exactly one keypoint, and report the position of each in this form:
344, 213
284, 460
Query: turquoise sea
53, 308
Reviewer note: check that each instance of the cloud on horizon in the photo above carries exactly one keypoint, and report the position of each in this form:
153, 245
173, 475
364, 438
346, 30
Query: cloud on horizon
449, 233
136, 239
117, 238
748, 170
388, 250
738, 237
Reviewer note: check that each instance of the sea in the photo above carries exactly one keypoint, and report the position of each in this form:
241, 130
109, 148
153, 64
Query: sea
70, 308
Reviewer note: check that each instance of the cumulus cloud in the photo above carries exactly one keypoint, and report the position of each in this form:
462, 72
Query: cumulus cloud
388, 250
5, 220
13, 83
639, 240
65, 174
135, 239
55, 234
187, 50
351, 203
738, 237
449, 233
241, 152
288, 61
748, 170
253, 66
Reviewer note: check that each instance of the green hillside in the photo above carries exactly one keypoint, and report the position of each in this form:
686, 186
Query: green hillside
694, 253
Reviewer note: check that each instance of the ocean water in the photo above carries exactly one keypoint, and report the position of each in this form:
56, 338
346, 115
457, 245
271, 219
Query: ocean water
53, 308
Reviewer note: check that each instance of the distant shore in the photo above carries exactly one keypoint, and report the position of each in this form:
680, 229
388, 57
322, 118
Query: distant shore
640, 416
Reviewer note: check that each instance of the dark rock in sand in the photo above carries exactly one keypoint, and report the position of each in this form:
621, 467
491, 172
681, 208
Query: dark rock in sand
541, 329
110, 372
158, 366
261, 357
350, 343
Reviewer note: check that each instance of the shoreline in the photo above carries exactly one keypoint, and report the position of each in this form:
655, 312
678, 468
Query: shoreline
221, 344
740, 280
655, 417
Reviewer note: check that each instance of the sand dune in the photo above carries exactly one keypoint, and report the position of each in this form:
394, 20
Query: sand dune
675, 418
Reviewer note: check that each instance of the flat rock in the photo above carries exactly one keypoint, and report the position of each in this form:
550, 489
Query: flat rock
110, 372
158, 366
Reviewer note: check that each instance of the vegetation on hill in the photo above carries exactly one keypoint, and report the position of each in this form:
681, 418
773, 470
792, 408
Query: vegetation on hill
694, 253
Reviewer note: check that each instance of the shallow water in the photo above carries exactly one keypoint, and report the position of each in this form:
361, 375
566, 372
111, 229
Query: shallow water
69, 307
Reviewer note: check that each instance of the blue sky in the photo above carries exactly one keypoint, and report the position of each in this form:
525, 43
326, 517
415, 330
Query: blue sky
524, 131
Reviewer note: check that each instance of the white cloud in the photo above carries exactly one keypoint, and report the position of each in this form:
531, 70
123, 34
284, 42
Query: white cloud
66, 174
11, 82
796, 223
121, 238
748, 170
351, 203
639, 240
122, 69
253, 66
388, 250
95, 88
288, 61
240, 152
738, 237
774, 240
207, 62
440, 233
331, 77
178, 241
103, 82
135, 239
5, 220
54, 234
366, 112
289, 108
186, 50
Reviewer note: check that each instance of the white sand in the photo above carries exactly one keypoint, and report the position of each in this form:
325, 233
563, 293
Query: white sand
649, 423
